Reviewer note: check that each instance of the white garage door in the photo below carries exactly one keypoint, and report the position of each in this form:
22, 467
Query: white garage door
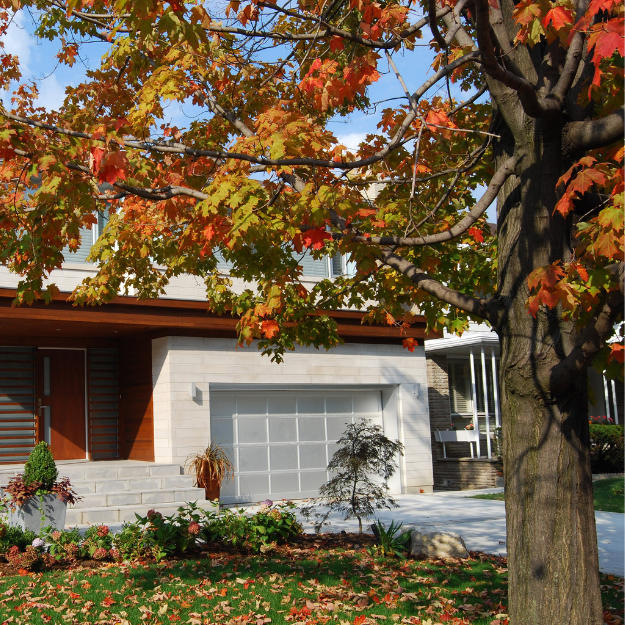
281, 442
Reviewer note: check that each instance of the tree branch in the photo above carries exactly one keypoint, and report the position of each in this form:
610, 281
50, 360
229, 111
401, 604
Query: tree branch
597, 133
473, 305
497, 181
532, 105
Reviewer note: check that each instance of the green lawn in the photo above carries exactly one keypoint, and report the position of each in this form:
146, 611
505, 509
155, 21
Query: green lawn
314, 581
608, 495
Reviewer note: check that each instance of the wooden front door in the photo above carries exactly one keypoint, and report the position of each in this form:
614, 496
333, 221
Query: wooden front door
61, 397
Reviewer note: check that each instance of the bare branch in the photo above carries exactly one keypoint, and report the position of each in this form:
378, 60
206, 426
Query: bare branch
440, 40
597, 133
506, 170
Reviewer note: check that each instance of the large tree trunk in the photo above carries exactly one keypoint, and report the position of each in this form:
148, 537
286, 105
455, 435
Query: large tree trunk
552, 545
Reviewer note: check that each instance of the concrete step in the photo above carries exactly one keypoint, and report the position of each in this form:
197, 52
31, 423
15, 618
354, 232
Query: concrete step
138, 497
90, 471
116, 485
119, 514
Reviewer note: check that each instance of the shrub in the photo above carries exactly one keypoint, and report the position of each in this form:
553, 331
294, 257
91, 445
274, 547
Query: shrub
65, 545
365, 453
157, 536
606, 448
13, 536
40, 467
271, 525
391, 541
31, 559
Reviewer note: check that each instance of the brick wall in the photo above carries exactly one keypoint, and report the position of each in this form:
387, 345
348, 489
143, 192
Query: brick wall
458, 471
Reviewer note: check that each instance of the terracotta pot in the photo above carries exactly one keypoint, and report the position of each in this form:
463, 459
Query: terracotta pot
210, 485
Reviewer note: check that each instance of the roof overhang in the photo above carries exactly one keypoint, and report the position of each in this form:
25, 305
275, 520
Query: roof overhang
461, 346
131, 317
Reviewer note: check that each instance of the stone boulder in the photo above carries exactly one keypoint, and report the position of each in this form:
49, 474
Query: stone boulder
428, 542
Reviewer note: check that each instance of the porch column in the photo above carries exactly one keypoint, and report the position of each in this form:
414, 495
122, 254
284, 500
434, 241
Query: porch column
485, 385
474, 397
495, 389
614, 401
606, 394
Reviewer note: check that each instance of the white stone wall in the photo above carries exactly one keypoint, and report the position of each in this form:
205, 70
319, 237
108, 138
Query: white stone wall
182, 424
185, 287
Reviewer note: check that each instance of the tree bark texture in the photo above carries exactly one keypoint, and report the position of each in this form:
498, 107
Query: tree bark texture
551, 534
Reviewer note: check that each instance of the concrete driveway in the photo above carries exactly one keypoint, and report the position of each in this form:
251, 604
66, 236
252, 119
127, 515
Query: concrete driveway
482, 524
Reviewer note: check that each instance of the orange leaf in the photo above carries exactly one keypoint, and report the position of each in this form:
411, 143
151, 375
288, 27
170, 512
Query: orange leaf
559, 16
269, 328
359, 620
476, 233
617, 352
409, 344
113, 167
336, 44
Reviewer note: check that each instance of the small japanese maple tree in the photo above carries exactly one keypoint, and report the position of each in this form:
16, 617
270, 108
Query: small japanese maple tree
362, 466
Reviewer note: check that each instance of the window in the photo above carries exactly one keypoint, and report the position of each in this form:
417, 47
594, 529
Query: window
460, 391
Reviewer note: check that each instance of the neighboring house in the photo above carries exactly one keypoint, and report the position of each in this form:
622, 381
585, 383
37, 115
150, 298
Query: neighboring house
156, 380
464, 392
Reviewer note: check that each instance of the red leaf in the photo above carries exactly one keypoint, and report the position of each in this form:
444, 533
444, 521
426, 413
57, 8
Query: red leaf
476, 233
269, 328
545, 276
409, 344
113, 167
585, 179
108, 601
617, 352
559, 16
359, 620
607, 38
95, 158
336, 44
315, 238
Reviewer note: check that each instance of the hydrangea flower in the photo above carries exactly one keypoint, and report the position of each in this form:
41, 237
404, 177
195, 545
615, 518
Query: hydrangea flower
267, 502
194, 528
102, 531
39, 543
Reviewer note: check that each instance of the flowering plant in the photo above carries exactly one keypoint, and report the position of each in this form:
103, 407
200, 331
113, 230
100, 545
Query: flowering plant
603, 419
469, 427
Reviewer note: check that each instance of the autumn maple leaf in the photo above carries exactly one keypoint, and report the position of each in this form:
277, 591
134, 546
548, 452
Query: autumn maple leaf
269, 328
113, 167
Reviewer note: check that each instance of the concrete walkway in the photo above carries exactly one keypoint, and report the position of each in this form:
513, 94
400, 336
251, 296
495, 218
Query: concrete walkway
482, 524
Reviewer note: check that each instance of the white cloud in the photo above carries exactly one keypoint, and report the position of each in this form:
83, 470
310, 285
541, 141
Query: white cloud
18, 41
51, 93
352, 140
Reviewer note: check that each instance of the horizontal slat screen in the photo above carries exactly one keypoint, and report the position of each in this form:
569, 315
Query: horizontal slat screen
17, 403
103, 404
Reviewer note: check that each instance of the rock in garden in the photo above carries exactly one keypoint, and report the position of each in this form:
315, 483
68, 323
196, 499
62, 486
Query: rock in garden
431, 543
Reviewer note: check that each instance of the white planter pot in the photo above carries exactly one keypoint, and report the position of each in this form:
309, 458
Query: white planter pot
39, 512
456, 436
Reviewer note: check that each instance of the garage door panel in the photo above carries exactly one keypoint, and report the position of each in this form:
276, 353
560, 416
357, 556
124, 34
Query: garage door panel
253, 459
223, 405
250, 485
366, 403
251, 430
336, 427
339, 404
222, 431
312, 481
281, 404
282, 483
252, 404
283, 430
312, 457
310, 404
312, 429
283, 457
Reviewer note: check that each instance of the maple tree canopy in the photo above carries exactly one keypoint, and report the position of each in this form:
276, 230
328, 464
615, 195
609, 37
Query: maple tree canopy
258, 178
522, 108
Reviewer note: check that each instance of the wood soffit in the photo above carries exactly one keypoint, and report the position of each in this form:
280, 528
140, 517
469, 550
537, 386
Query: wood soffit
130, 316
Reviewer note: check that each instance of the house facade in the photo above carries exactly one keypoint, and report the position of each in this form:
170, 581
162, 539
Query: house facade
156, 380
